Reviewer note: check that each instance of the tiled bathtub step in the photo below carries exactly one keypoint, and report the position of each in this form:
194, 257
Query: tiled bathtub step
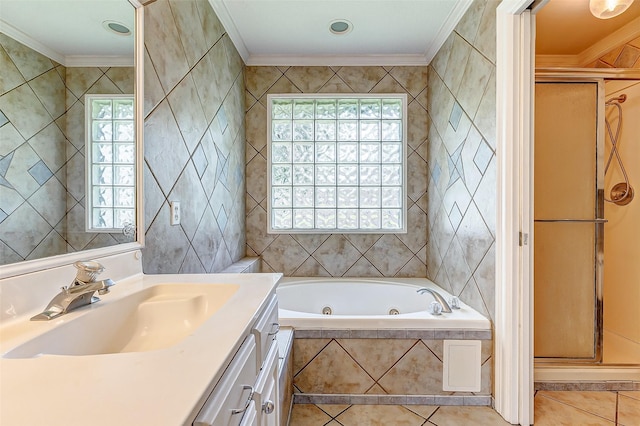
353, 399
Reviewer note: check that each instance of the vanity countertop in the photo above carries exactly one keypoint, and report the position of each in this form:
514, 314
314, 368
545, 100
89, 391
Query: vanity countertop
160, 387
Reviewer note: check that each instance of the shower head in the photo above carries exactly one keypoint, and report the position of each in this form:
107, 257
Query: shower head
620, 99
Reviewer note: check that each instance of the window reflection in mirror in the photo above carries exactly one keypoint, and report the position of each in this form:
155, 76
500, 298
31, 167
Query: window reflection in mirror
44, 196
110, 145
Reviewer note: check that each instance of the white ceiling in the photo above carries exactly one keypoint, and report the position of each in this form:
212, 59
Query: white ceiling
70, 31
296, 32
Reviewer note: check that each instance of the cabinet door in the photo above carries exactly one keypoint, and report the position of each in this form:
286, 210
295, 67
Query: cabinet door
267, 395
226, 404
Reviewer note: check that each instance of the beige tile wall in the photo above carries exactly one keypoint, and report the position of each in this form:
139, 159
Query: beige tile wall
451, 168
461, 160
42, 163
376, 366
626, 55
402, 255
194, 140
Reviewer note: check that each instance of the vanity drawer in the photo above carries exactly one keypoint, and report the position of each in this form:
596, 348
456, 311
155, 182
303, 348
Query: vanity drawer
233, 392
267, 394
265, 330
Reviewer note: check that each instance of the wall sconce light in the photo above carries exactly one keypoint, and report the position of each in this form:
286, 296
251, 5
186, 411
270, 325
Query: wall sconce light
605, 9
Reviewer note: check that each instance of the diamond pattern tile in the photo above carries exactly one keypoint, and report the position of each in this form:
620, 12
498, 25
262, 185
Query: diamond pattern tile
55, 133
413, 79
417, 372
373, 357
205, 112
333, 371
379, 415
336, 255
361, 79
389, 255
284, 254
304, 350
343, 254
309, 79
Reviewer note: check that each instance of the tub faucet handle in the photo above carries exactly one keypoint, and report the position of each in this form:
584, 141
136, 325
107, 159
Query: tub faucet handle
454, 302
435, 308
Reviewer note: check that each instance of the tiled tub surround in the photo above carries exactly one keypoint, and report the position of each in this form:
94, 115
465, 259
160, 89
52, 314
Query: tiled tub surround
451, 168
391, 367
42, 163
351, 357
371, 255
194, 140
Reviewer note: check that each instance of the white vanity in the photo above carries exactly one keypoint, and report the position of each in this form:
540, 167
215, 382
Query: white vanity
108, 364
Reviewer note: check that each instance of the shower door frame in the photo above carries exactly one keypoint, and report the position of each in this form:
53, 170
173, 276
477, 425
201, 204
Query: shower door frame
598, 221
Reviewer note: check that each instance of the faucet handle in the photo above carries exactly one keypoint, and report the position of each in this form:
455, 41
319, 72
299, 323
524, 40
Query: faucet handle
454, 302
88, 270
435, 308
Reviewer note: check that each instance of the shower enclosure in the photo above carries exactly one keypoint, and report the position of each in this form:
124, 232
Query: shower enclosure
583, 203
568, 221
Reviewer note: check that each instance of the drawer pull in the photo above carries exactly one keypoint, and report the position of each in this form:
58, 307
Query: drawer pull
275, 326
242, 410
268, 407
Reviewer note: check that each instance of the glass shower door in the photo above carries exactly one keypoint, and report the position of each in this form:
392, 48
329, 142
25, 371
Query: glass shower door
568, 228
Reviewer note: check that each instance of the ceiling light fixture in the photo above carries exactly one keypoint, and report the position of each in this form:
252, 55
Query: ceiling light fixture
605, 9
340, 26
116, 27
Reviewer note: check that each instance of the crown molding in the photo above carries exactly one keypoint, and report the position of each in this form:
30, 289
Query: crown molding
25, 39
65, 60
98, 61
447, 28
336, 60
220, 9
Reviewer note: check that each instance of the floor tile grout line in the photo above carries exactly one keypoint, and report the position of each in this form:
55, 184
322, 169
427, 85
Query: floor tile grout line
425, 418
334, 417
580, 409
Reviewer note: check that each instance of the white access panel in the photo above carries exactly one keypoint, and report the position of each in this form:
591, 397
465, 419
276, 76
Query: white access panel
462, 365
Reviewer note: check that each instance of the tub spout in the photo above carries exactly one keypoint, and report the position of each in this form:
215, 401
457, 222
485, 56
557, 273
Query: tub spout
438, 297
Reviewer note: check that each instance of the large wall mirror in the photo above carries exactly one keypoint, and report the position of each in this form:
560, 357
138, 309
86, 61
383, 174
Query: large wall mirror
70, 131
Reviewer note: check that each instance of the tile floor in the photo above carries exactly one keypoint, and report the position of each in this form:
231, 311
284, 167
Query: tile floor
552, 408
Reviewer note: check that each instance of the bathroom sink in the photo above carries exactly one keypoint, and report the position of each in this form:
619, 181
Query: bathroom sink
153, 318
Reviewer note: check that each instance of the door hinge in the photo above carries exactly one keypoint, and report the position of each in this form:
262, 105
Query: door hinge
524, 239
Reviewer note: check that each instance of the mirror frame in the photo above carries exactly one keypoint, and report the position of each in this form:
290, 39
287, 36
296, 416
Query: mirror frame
27, 266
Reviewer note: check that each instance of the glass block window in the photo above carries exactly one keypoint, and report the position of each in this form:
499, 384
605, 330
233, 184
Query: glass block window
336, 163
110, 162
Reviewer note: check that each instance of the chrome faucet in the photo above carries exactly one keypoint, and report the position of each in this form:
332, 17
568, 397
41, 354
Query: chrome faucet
438, 297
79, 293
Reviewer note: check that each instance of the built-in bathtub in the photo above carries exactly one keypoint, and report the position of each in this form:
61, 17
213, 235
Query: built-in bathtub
369, 303
380, 345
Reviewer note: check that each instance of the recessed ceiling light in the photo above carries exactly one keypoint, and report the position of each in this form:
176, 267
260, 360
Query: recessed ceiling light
340, 26
116, 28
